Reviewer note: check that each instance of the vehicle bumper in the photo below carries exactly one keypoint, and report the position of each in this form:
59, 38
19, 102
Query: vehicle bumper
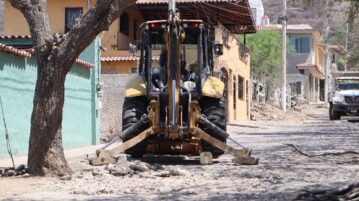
346, 109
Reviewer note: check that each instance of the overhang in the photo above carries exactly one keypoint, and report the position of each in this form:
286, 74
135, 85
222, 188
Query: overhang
313, 69
235, 15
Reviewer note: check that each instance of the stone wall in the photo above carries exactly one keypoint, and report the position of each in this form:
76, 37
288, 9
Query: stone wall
113, 96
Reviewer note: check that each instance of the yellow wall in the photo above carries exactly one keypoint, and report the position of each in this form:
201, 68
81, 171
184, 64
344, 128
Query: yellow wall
111, 37
119, 67
235, 66
15, 23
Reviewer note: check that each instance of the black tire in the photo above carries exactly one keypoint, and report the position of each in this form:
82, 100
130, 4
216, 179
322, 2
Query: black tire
133, 109
333, 115
215, 111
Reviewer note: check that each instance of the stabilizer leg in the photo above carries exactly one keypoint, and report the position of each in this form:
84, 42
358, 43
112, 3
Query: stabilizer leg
105, 157
242, 156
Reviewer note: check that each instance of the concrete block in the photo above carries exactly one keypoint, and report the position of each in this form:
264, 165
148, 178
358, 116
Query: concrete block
206, 158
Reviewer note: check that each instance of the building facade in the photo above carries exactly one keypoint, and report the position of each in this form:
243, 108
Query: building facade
116, 61
18, 74
305, 61
81, 116
233, 66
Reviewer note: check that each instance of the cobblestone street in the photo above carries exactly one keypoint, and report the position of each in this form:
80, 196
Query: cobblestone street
280, 175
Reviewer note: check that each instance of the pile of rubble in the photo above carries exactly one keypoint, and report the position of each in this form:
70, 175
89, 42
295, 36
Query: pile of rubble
267, 112
9, 172
124, 167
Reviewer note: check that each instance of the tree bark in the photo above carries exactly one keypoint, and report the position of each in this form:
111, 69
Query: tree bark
46, 156
55, 59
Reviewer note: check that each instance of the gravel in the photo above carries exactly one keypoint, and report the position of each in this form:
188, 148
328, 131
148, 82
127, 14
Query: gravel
280, 175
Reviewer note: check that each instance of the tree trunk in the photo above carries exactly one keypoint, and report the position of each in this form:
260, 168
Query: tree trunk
47, 157
55, 59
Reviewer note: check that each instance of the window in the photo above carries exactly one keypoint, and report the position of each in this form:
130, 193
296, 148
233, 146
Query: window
134, 70
240, 87
124, 24
72, 15
301, 71
298, 87
333, 59
135, 29
234, 92
301, 44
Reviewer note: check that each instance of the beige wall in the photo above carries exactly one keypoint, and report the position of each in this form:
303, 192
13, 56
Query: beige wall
112, 39
15, 23
236, 67
121, 67
118, 67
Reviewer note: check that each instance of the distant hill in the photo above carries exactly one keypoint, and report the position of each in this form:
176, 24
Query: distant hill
301, 13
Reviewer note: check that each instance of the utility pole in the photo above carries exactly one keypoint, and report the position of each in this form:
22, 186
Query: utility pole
284, 58
346, 47
326, 62
172, 5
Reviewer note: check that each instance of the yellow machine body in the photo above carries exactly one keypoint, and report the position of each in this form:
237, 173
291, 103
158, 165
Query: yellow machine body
213, 87
136, 87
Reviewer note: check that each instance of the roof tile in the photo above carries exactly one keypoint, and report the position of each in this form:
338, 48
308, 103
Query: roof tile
126, 58
14, 51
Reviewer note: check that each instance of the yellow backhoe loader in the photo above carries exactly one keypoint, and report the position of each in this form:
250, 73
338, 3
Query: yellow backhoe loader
175, 106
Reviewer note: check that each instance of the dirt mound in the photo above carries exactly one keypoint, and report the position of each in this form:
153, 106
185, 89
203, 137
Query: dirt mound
267, 112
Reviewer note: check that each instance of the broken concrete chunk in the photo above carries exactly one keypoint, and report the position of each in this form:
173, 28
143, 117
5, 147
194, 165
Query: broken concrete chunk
120, 171
20, 168
139, 166
206, 158
66, 178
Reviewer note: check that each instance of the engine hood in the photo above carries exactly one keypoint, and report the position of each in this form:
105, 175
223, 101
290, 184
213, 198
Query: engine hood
349, 92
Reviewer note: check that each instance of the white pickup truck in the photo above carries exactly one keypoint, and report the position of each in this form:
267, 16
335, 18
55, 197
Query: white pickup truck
344, 95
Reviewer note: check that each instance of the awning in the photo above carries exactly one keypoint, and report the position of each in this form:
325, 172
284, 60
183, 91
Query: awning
235, 15
313, 69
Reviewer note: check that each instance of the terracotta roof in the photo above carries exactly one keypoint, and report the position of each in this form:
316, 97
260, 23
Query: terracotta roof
84, 63
269, 27
235, 15
14, 51
141, 2
316, 68
77, 61
29, 52
306, 65
289, 27
126, 58
15, 36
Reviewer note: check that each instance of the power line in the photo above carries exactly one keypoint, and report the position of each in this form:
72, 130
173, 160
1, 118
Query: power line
7, 136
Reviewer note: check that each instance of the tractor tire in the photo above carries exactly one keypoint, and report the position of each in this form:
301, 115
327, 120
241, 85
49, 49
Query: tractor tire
215, 111
133, 109
333, 115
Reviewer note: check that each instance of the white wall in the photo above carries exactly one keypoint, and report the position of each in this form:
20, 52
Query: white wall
257, 4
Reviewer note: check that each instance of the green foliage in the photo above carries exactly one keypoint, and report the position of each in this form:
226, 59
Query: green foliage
265, 48
337, 36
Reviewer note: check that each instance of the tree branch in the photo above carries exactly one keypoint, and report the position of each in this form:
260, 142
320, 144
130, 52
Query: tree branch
35, 12
348, 192
296, 150
94, 22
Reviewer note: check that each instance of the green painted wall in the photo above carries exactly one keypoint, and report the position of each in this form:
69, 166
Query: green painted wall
80, 115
